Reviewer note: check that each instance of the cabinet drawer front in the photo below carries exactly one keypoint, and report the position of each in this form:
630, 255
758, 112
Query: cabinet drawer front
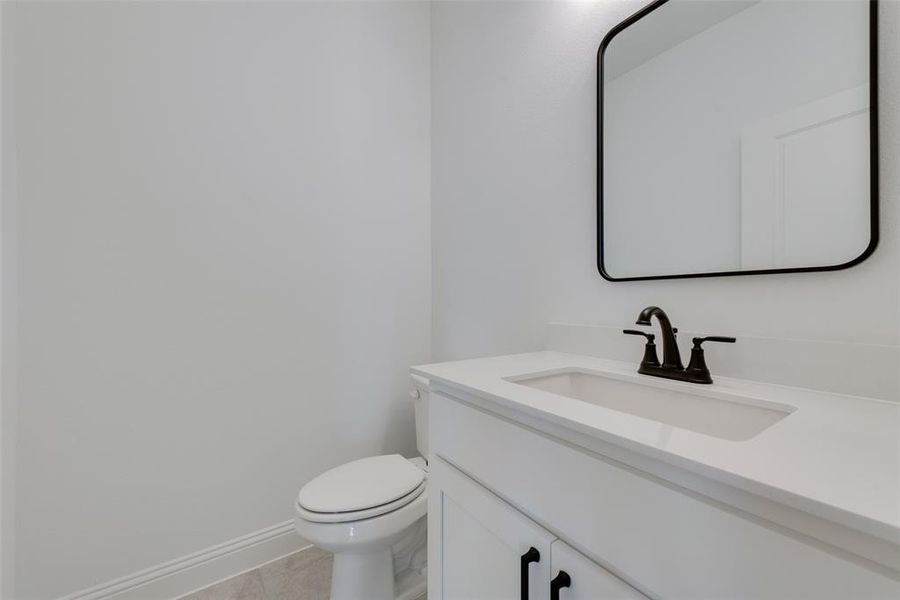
666, 542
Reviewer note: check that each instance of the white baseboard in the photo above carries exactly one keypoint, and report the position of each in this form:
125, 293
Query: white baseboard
201, 569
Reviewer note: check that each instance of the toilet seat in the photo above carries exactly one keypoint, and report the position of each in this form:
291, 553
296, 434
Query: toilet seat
357, 515
364, 535
361, 489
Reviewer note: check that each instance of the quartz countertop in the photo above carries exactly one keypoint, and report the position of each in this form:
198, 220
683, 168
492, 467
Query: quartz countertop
834, 456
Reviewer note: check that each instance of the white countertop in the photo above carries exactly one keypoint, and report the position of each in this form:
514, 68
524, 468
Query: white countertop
835, 456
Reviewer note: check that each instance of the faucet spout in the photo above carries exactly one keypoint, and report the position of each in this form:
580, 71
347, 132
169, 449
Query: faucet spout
671, 355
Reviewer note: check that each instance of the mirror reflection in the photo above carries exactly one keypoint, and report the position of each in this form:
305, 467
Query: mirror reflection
736, 136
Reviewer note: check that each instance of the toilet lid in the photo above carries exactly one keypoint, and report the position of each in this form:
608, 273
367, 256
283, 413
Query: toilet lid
361, 484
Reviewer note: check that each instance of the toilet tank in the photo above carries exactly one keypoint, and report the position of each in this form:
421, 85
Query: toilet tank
418, 390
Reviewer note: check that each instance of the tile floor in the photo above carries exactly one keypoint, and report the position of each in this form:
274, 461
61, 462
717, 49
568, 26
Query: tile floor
304, 575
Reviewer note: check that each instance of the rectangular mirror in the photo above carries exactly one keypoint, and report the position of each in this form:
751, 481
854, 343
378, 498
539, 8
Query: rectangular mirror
737, 137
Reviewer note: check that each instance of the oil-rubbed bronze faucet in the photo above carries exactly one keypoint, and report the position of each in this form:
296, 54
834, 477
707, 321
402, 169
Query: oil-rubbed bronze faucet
671, 367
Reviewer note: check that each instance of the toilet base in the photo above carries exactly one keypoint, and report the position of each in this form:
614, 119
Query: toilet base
410, 562
410, 586
394, 573
369, 575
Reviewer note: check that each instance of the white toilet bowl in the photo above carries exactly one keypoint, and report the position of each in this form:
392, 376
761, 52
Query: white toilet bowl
368, 513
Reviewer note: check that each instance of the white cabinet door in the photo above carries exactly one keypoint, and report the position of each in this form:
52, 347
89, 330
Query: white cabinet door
479, 547
576, 577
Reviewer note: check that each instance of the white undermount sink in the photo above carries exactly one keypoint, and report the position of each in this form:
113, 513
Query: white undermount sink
713, 412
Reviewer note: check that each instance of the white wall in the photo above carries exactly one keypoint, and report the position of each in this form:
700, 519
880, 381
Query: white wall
513, 197
8, 296
224, 265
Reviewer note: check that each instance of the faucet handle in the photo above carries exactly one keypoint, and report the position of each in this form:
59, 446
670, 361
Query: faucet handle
650, 337
713, 338
697, 371
650, 359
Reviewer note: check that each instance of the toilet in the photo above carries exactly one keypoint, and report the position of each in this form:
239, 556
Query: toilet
370, 513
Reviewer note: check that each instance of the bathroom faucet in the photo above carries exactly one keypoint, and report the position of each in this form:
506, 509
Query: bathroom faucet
671, 367
671, 355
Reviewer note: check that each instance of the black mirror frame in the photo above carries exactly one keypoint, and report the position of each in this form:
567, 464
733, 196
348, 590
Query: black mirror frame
873, 158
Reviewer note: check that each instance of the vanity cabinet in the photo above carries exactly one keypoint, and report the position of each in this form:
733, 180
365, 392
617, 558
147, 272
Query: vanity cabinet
488, 549
499, 486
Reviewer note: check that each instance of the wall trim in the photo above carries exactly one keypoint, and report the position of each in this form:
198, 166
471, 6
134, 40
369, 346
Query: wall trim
201, 569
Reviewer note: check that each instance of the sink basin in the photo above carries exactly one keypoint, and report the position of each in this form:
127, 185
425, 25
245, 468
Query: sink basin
720, 414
